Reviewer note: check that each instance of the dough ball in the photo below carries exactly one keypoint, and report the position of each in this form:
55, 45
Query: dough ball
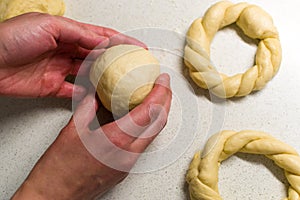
124, 75
12, 8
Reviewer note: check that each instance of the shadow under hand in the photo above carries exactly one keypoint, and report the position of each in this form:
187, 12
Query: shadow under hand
103, 116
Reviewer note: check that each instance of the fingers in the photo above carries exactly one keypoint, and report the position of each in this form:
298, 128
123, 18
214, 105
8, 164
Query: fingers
145, 121
81, 59
80, 67
73, 50
69, 31
123, 39
144, 140
159, 113
161, 94
85, 112
151, 117
67, 90
115, 38
89, 36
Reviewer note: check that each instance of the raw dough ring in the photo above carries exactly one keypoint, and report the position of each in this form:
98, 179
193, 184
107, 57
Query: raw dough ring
256, 24
202, 175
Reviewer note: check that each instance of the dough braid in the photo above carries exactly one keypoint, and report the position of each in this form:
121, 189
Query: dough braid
256, 24
202, 175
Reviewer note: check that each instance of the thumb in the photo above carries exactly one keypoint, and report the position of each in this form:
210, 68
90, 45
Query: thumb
86, 111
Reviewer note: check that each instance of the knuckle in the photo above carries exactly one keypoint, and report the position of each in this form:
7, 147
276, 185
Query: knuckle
48, 23
128, 162
47, 17
117, 142
162, 122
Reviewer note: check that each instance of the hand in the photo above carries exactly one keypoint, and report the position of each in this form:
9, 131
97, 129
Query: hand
38, 51
68, 171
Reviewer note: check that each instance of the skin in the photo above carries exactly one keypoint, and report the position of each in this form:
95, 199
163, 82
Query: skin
38, 51
47, 49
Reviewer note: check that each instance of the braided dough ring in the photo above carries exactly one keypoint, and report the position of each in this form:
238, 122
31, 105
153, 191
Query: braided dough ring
202, 175
256, 24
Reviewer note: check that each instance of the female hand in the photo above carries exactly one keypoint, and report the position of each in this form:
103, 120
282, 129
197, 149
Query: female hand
69, 171
38, 51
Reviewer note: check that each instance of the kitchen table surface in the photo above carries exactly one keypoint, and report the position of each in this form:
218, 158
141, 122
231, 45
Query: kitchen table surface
29, 126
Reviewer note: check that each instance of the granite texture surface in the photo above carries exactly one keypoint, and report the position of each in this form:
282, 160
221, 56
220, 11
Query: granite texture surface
29, 126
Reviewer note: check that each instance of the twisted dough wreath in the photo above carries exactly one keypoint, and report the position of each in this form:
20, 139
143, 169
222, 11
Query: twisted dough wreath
202, 175
256, 24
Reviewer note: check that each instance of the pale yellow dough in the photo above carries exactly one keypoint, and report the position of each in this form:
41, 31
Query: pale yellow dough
256, 24
202, 175
124, 75
12, 8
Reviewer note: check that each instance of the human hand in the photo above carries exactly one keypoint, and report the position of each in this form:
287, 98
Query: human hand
38, 51
68, 171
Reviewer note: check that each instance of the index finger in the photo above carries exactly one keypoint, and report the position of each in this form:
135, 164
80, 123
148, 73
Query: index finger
113, 37
120, 38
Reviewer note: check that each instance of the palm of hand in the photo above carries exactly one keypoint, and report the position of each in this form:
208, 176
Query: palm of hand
45, 76
35, 64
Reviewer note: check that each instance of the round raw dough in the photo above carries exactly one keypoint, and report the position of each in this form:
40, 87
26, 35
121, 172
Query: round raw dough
124, 75
12, 8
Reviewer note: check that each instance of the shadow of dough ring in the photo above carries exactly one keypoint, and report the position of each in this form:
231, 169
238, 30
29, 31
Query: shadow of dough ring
202, 175
256, 24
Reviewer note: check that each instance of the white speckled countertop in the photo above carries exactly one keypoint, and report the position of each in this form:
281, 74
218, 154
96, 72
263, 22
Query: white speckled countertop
28, 127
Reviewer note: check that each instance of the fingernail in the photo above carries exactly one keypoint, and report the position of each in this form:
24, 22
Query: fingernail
141, 44
164, 80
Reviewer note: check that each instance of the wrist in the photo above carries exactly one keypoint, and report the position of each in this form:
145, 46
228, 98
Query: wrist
28, 191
